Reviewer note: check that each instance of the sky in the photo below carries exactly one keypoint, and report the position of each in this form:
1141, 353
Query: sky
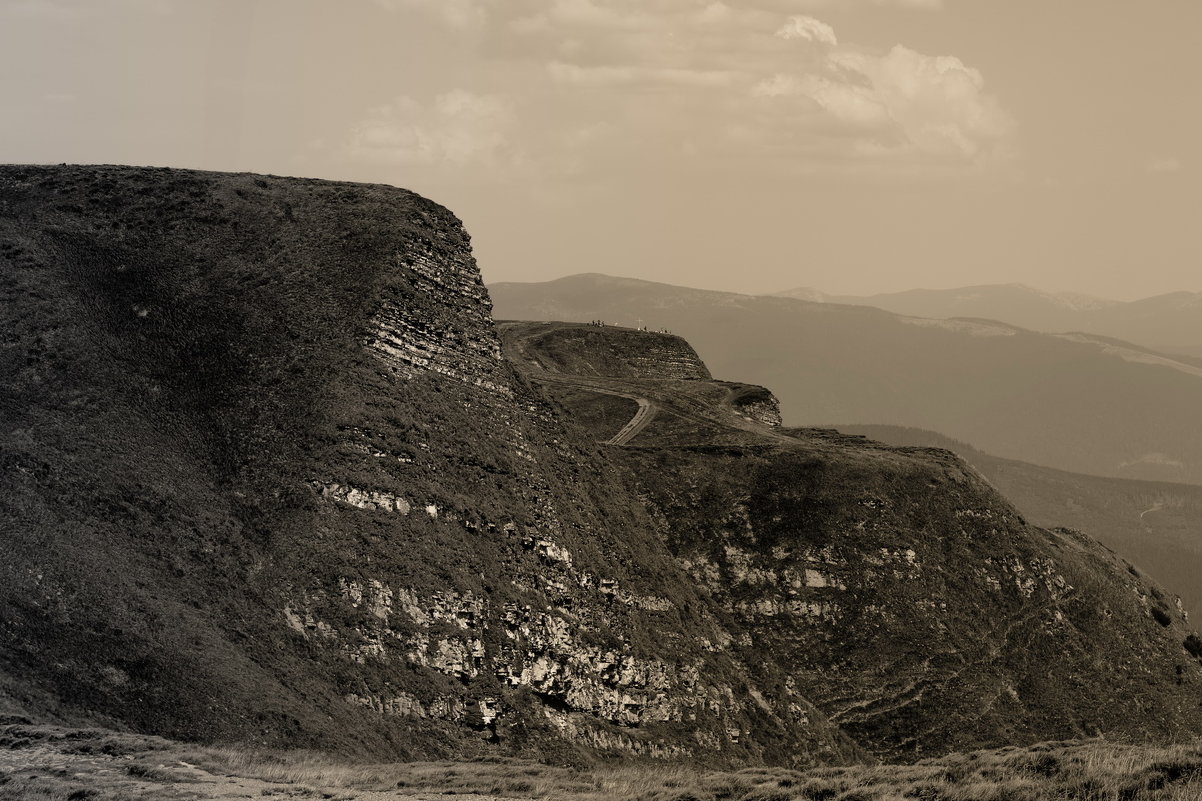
854, 146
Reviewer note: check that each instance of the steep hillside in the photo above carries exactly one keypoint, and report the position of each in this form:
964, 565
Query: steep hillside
271, 477
1079, 404
1156, 525
267, 478
891, 586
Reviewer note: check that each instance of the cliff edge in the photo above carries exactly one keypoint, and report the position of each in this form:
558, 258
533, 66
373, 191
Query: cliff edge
271, 476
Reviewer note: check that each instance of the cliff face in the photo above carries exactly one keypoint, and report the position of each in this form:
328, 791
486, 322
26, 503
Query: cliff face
917, 610
268, 477
757, 404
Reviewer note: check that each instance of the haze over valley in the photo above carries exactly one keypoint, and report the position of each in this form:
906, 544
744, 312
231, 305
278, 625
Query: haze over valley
1170, 323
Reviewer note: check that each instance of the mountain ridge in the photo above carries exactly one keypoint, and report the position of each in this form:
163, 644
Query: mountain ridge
1081, 406
1170, 322
272, 477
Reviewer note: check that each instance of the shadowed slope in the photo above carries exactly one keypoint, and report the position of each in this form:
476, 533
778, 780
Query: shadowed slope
267, 478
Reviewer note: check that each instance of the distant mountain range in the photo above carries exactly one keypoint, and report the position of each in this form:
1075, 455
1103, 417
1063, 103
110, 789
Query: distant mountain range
1171, 323
1086, 404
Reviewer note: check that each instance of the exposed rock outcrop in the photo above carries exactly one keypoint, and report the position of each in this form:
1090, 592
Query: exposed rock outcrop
270, 479
757, 404
320, 508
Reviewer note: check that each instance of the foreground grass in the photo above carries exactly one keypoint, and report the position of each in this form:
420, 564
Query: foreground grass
1093, 771
53, 764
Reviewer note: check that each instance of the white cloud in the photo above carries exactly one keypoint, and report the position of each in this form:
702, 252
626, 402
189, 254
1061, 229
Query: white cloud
889, 104
457, 128
936, 104
746, 82
715, 13
557, 15
808, 28
850, 103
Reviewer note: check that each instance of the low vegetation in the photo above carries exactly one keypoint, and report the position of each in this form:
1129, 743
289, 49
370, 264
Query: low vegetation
1152, 523
51, 763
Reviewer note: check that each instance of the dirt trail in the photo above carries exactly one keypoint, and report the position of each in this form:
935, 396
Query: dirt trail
643, 416
693, 400
520, 357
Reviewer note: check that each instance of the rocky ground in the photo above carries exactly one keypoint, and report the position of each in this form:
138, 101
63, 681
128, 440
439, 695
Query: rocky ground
41, 762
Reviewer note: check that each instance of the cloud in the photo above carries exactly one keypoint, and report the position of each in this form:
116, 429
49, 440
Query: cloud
458, 128
894, 103
702, 82
808, 28
933, 104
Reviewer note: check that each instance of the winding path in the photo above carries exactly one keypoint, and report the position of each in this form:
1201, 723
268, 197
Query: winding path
680, 401
536, 370
637, 423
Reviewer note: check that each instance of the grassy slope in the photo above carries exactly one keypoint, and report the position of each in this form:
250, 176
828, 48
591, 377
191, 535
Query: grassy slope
990, 632
1156, 525
184, 357
184, 348
168, 347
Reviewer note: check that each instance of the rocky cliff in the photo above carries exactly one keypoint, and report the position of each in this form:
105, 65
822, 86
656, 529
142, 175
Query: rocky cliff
269, 476
893, 586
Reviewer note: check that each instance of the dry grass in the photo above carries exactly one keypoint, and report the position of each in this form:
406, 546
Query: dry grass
70, 765
1082, 771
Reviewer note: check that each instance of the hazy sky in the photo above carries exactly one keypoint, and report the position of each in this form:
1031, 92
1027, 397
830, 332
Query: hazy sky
850, 145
